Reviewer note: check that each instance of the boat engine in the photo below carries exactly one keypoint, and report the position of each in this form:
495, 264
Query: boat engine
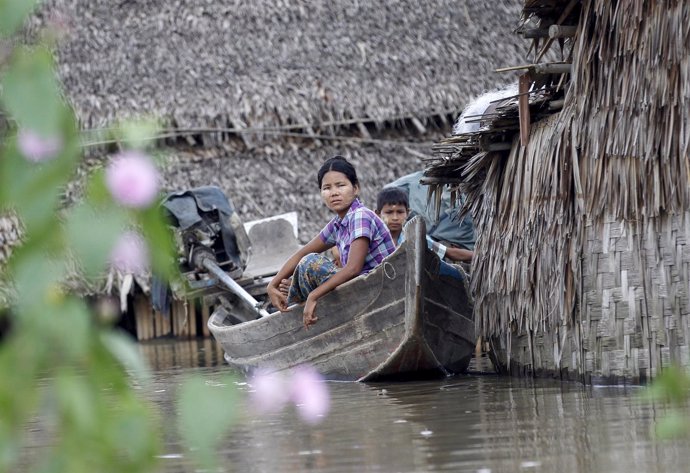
207, 225
211, 240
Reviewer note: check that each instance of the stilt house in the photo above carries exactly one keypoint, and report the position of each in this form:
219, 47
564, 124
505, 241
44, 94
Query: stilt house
579, 188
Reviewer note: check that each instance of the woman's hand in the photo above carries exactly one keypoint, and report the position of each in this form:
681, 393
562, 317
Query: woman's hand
308, 316
284, 286
278, 299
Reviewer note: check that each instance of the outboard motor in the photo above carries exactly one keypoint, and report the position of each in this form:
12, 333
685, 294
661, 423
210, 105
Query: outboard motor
206, 223
210, 237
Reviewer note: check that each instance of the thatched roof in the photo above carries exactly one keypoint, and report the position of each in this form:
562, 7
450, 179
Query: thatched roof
608, 138
227, 64
313, 68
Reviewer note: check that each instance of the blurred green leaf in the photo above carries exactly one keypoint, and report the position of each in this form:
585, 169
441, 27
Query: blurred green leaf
31, 93
15, 174
672, 384
139, 133
66, 329
18, 396
159, 238
139, 452
206, 414
77, 402
37, 279
14, 12
92, 233
672, 425
102, 425
123, 349
96, 192
33, 189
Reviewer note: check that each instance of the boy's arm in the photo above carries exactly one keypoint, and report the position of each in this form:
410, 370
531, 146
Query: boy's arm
459, 254
436, 247
454, 254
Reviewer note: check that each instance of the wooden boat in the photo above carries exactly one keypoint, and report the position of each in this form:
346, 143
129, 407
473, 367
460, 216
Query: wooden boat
401, 321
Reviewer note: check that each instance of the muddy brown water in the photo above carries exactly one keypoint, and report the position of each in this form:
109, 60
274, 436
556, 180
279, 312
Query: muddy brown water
473, 423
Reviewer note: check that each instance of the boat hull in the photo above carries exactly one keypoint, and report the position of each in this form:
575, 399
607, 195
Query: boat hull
401, 321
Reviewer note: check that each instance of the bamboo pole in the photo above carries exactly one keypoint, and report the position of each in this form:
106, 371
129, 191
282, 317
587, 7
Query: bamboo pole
205, 315
191, 318
562, 31
533, 33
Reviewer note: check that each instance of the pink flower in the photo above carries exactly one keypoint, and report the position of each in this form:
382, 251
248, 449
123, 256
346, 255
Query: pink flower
59, 24
270, 391
132, 179
130, 254
37, 148
304, 386
309, 393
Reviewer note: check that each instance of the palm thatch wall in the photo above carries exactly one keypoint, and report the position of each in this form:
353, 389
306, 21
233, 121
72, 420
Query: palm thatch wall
582, 267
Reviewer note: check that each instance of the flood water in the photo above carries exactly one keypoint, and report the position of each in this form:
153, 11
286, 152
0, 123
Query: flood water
474, 423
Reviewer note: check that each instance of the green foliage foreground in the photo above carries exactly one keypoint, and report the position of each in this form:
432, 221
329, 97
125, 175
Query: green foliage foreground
59, 361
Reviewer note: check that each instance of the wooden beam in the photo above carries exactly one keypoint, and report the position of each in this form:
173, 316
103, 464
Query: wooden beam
543, 68
553, 68
191, 319
562, 31
532, 33
142, 317
418, 125
523, 107
514, 68
205, 315
556, 104
561, 19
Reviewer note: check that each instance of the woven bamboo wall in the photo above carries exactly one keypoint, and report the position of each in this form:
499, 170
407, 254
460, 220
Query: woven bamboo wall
633, 308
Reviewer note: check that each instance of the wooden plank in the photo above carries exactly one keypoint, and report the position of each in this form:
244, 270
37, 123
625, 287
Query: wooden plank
523, 107
205, 314
161, 325
166, 324
142, 316
181, 319
191, 319
175, 319
148, 323
562, 31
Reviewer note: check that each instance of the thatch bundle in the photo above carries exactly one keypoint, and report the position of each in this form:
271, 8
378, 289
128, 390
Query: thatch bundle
233, 64
582, 258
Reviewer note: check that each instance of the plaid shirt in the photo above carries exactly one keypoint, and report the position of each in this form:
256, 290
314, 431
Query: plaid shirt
359, 222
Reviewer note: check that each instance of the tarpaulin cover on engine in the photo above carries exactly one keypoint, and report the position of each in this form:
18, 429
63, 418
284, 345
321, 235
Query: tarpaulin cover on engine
188, 208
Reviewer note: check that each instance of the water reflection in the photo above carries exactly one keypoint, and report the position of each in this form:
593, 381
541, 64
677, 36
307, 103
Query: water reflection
473, 423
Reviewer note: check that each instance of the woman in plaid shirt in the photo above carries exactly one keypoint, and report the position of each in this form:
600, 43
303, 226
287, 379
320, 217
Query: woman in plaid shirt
362, 239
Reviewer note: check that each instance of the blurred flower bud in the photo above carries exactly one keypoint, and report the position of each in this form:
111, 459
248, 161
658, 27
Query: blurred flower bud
269, 391
310, 394
108, 310
132, 179
37, 148
130, 254
304, 386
